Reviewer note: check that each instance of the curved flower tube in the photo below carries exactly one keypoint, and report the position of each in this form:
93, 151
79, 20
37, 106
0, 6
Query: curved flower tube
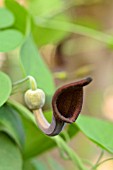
66, 104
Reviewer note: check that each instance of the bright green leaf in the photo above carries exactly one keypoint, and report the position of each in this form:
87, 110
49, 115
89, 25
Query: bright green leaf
6, 18
5, 88
35, 66
10, 39
10, 156
12, 124
20, 14
99, 131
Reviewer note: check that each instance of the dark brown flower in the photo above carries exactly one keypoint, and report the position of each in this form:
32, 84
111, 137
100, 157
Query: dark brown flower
68, 99
67, 104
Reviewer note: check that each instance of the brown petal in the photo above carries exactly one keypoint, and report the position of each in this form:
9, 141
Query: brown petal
67, 101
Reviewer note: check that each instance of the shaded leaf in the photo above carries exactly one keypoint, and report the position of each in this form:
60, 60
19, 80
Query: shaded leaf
35, 66
12, 124
20, 14
35, 140
6, 18
99, 131
10, 156
5, 88
10, 39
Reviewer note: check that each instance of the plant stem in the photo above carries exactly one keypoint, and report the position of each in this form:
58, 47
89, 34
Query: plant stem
109, 159
72, 155
75, 28
29, 82
98, 160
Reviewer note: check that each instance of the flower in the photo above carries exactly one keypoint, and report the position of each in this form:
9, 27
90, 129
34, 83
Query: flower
68, 99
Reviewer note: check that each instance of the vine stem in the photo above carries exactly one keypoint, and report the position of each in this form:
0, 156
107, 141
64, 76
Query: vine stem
72, 155
27, 81
109, 159
98, 160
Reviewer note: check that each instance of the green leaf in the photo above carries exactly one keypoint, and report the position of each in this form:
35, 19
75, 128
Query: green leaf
12, 124
10, 156
20, 14
38, 142
99, 131
5, 88
6, 18
35, 66
10, 39
35, 144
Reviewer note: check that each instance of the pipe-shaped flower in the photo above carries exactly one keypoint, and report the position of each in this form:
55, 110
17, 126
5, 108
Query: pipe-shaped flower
68, 99
66, 104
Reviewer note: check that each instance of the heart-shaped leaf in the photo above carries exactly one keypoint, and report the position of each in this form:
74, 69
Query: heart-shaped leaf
6, 18
10, 39
99, 131
10, 156
5, 88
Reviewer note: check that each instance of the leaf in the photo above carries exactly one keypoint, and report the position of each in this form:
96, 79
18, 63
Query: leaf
35, 140
35, 144
20, 14
6, 18
10, 39
35, 66
10, 156
99, 131
12, 124
5, 88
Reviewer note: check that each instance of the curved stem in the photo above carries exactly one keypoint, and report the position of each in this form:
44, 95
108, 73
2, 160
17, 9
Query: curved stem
109, 159
19, 84
72, 155
49, 129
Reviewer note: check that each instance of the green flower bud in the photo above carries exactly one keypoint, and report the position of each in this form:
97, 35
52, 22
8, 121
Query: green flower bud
34, 99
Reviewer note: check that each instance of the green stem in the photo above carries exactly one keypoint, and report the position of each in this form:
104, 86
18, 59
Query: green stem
72, 155
109, 159
98, 160
29, 82
75, 28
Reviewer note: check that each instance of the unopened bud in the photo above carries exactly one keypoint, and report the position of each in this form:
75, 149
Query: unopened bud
34, 99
